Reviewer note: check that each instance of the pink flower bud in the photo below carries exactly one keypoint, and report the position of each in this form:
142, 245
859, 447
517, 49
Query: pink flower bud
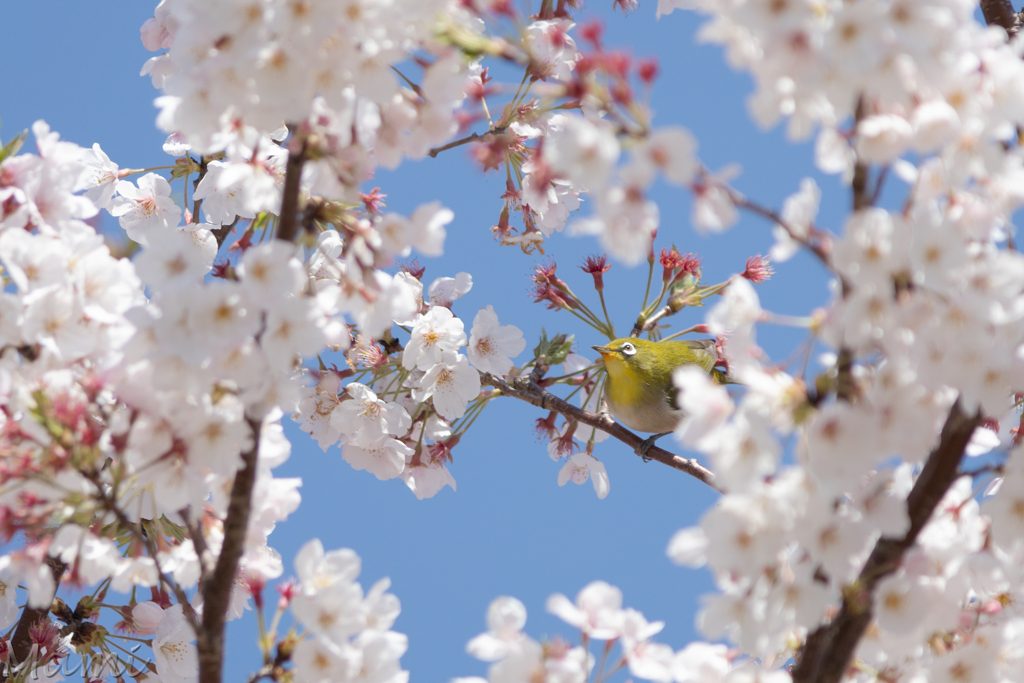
758, 269
146, 616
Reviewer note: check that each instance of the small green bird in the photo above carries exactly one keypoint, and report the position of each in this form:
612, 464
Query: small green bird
639, 387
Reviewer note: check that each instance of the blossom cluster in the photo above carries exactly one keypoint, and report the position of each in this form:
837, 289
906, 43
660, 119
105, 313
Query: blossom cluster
922, 75
599, 615
926, 320
135, 395
124, 412
788, 541
251, 66
405, 421
350, 633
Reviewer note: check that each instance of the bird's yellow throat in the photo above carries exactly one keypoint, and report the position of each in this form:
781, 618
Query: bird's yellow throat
623, 387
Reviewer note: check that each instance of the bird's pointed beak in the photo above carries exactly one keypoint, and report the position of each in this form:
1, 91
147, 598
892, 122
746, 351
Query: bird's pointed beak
603, 350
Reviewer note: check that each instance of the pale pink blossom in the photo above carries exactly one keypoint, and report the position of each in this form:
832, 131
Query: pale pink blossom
146, 617
713, 207
99, 177
581, 151
176, 259
445, 290
582, 466
436, 332
670, 150
506, 618
364, 419
597, 611
177, 659
385, 458
146, 208
492, 347
451, 384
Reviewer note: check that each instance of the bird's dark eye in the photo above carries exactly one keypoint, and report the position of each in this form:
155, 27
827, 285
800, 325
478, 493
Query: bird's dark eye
628, 349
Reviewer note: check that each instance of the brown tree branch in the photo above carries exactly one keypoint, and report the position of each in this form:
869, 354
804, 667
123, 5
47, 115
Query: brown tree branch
828, 650
861, 196
217, 591
21, 641
221, 233
288, 220
198, 203
525, 389
1000, 13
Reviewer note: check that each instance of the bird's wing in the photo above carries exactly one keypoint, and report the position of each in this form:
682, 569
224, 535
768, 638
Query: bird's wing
705, 353
700, 351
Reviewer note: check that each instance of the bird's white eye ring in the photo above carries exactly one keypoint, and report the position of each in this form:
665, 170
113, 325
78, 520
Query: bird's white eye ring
628, 349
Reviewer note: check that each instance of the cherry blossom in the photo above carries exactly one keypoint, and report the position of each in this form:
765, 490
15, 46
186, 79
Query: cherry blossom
597, 611
581, 151
365, 418
145, 209
436, 332
670, 150
99, 177
176, 656
445, 290
450, 384
506, 618
491, 348
384, 457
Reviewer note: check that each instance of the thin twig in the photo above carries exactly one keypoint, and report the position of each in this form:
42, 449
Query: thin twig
525, 389
846, 386
742, 202
195, 531
879, 184
221, 233
462, 141
138, 532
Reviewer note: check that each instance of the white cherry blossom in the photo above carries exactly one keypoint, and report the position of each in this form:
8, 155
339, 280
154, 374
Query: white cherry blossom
436, 332
492, 347
596, 612
177, 659
385, 458
145, 209
450, 384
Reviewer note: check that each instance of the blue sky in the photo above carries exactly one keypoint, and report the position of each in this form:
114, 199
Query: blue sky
509, 530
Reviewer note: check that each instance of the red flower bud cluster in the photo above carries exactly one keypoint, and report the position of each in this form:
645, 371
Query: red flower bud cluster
676, 266
493, 149
566, 444
545, 426
758, 269
550, 288
617, 65
414, 268
596, 266
441, 451
374, 201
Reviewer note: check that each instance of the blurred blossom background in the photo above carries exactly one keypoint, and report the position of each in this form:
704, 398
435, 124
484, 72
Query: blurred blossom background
509, 529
